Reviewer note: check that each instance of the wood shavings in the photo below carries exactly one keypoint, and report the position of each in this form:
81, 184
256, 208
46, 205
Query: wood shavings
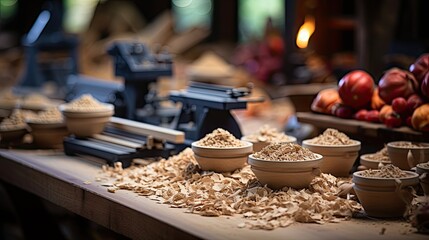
386, 171
268, 134
220, 138
406, 144
180, 183
332, 137
285, 152
16, 120
50, 115
381, 155
85, 102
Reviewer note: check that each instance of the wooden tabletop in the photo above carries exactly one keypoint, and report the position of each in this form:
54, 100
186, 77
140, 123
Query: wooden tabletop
70, 183
375, 130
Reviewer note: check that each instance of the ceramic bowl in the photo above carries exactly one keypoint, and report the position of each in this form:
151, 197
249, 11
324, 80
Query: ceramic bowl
384, 197
221, 159
86, 123
371, 163
279, 174
337, 160
48, 135
406, 157
258, 145
4, 114
12, 135
423, 170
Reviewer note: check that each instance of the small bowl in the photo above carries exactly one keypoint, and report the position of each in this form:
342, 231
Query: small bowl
221, 159
86, 123
423, 170
48, 135
407, 157
384, 197
4, 114
12, 135
258, 145
371, 163
279, 174
337, 160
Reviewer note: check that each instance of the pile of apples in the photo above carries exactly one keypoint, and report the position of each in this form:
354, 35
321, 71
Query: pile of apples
393, 101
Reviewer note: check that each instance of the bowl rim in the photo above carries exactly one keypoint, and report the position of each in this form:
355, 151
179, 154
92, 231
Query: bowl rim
13, 130
424, 168
31, 121
292, 140
108, 107
319, 158
391, 145
246, 145
411, 175
32, 124
308, 143
363, 157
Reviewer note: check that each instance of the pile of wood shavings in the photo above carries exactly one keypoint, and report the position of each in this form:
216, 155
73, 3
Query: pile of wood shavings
50, 115
85, 102
285, 152
405, 144
332, 137
180, 183
268, 134
387, 171
16, 120
381, 156
219, 138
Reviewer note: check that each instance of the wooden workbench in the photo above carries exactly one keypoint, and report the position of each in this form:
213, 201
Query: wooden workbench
70, 183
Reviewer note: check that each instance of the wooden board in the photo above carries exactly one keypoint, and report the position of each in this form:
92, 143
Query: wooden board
70, 183
148, 130
360, 127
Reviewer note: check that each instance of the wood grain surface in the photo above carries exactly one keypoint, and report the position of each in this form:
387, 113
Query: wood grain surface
70, 182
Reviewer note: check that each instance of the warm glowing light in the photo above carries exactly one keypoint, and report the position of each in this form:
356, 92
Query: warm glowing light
305, 32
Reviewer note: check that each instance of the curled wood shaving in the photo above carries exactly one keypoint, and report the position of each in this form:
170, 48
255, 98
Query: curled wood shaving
180, 183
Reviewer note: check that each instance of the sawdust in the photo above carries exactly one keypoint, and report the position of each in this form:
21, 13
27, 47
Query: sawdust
180, 183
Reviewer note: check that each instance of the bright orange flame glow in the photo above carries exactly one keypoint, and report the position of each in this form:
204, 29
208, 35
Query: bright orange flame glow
305, 32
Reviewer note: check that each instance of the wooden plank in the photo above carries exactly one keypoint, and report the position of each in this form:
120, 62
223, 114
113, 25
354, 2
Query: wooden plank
117, 141
148, 130
61, 180
353, 126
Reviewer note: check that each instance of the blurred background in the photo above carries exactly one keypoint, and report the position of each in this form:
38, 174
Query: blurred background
263, 38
